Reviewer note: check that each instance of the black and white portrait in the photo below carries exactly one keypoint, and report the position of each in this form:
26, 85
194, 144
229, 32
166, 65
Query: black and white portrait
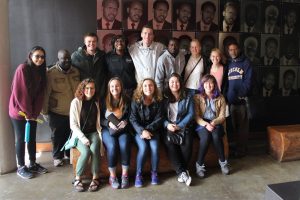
230, 19
225, 39
251, 47
269, 82
105, 37
207, 18
289, 51
160, 14
250, 19
134, 14
271, 18
269, 50
185, 39
290, 19
208, 42
184, 15
109, 14
288, 81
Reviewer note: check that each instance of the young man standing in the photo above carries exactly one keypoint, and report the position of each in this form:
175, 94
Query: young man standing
145, 54
62, 81
172, 60
239, 86
90, 61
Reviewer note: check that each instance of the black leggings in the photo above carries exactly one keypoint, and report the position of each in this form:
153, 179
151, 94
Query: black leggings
216, 136
19, 129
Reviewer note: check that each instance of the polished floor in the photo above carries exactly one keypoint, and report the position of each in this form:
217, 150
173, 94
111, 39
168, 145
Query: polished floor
249, 178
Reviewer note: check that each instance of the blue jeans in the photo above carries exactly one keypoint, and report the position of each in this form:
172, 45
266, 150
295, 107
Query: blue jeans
115, 144
143, 148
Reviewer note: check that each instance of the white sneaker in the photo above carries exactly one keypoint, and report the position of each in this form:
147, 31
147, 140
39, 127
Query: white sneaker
179, 179
58, 162
186, 178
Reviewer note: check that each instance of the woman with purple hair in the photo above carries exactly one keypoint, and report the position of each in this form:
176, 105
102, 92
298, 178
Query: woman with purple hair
210, 118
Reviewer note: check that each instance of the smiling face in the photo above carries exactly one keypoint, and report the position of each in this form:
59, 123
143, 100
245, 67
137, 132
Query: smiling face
215, 57
147, 36
115, 88
174, 84
209, 87
38, 57
90, 43
64, 60
195, 48
89, 91
173, 47
119, 44
148, 88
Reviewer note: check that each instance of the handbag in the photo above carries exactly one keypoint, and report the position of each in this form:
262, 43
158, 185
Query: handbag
176, 137
113, 119
71, 142
73, 139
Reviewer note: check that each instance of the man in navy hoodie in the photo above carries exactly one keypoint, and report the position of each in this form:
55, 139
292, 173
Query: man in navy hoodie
239, 86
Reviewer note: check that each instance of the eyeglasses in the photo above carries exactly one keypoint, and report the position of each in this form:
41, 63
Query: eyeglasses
39, 56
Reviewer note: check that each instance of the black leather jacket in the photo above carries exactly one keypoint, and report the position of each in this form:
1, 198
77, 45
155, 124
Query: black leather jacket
144, 117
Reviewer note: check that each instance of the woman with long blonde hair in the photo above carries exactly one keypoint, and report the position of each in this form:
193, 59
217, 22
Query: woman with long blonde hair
146, 119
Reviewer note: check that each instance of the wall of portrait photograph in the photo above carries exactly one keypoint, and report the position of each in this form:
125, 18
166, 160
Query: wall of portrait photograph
267, 30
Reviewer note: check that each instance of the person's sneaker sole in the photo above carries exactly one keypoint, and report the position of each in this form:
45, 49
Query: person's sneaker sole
138, 186
25, 177
179, 179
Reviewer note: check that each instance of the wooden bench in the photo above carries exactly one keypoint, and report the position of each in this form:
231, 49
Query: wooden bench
211, 159
284, 142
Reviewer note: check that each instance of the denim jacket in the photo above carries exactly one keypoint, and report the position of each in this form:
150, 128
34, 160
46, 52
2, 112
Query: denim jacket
185, 112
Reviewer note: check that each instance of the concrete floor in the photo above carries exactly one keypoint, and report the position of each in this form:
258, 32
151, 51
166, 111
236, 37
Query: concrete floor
248, 180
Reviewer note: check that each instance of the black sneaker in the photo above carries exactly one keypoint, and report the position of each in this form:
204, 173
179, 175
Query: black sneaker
37, 168
23, 172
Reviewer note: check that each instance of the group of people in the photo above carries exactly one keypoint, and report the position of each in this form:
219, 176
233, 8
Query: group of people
145, 93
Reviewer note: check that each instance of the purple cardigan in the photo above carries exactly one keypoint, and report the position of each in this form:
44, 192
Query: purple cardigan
20, 99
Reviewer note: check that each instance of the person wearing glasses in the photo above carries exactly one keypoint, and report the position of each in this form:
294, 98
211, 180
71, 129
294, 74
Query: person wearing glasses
28, 86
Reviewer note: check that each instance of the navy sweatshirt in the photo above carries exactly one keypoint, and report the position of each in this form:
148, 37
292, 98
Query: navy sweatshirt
239, 80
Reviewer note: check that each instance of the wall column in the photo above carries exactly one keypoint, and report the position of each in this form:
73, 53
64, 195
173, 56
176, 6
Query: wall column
7, 144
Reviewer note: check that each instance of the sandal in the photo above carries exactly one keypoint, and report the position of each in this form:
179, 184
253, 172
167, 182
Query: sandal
78, 186
94, 186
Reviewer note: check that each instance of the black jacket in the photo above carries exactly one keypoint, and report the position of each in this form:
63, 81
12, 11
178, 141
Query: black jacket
144, 117
122, 67
91, 67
